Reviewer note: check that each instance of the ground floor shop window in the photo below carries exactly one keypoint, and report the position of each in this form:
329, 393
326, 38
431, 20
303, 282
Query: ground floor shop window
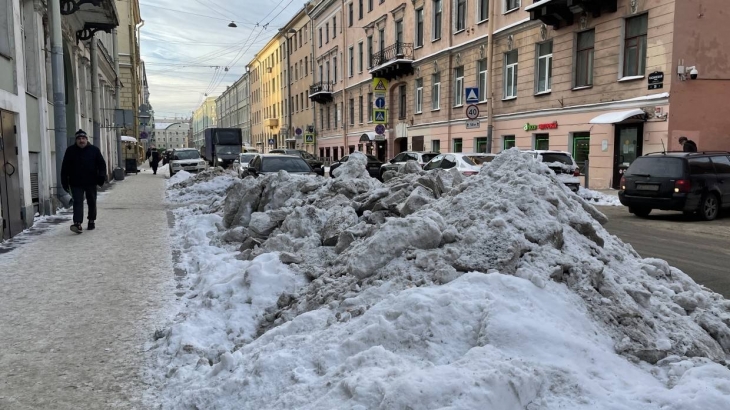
581, 149
509, 142
351, 149
436, 146
542, 141
458, 144
481, 144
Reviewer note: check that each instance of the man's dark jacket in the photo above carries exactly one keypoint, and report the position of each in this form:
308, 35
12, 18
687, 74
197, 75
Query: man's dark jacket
689, 146
83, 167
154, 156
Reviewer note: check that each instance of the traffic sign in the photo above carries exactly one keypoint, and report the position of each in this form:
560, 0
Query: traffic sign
143, 135
472, 95
298, 131
380, 129
380, 102
380, 84
472, 112
271, 141
380, 116
472, 124
309, 139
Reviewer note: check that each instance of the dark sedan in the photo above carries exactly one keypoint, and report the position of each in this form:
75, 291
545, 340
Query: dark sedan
311, 159
373, 165
263, 164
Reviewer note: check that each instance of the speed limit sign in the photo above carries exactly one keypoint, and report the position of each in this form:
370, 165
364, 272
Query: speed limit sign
472, 112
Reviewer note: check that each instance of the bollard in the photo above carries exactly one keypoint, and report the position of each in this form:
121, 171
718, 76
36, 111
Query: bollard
586, 173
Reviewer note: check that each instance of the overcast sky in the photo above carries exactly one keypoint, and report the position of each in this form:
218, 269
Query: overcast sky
183, 41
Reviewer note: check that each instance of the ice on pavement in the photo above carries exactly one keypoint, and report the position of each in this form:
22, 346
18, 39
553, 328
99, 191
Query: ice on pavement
431, 290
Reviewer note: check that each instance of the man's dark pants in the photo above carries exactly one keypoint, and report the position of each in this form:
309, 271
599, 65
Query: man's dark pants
154, 164
78, 194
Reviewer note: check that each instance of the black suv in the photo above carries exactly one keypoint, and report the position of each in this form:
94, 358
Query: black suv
311, 159
691, 182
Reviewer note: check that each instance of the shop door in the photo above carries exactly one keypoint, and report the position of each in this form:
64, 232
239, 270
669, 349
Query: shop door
12, 221
628, 145
417, 143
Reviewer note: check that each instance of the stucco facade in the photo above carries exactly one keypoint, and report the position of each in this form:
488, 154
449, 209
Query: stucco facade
205, 116
170, 134
297, 42
268, 105
130, 63
233, 108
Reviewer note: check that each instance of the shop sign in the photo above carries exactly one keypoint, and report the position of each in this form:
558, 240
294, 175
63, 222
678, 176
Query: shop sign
534, 127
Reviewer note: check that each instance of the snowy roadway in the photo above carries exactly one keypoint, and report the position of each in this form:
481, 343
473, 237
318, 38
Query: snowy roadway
77, 309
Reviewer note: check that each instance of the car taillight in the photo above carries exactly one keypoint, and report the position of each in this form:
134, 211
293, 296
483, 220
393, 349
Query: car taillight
623, 183
576, 173
682, 185
469, 173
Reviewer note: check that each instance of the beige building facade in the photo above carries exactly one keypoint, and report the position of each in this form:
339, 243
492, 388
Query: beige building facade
130, 62
267, 82
233, 108
205, 116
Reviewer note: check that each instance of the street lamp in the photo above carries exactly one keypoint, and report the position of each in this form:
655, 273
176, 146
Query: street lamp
232, 24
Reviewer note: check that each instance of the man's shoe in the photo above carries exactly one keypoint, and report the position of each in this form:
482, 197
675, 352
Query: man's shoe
76, 228
91, 226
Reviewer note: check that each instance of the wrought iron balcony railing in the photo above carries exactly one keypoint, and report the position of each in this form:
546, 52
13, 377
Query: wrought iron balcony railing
321, 87
398, 51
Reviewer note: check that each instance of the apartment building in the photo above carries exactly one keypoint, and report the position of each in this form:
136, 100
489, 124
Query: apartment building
171, 134
267, 82
131, 70
297, 40
205, 116
596, 78
233, 107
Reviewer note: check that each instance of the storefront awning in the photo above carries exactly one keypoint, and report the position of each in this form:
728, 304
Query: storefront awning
621, 116
368, 136
128, 139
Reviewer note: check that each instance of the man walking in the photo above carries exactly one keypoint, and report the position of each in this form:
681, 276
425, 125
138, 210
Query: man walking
82, 170
687, 144
154, 156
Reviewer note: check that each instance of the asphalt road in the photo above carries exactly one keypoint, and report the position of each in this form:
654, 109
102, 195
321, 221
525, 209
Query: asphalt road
700, 249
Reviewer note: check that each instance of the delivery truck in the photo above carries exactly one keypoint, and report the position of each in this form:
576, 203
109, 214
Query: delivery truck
222, 146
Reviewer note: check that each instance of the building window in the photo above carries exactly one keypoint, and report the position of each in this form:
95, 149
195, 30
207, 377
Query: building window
370, 5
352, 111
510, 5
306, 66
399, 37
360, 113
510, 74
360, 10
436, 145
635, 46
482, 78
402, 98
329, 118
359, 57
436, 91
509, 142
320, 37
334, 69
437, 14
419, 95
544, 80
581, 149
480, 145
351, 61
381, 35
584, 58
370, 107
419, 27
458, 86
370, 51
349, 14
334, 27
483, 12
460, 17
458, 144
542, 141
327, 33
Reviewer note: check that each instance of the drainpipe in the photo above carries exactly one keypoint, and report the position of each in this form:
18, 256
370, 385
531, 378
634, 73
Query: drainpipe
96, 132
289, 105
311, 64
59, 97
450, 78
490, 93
119, 171
345, 76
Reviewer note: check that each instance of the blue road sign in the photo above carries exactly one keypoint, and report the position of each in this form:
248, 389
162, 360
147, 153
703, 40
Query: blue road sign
298, 131
380, 129
271, 141
472, 95
379, 116
380, 102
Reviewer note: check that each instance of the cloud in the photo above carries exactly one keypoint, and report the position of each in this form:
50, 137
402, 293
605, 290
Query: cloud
187, 46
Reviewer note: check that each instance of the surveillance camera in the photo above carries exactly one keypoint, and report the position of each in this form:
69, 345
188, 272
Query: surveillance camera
693, 74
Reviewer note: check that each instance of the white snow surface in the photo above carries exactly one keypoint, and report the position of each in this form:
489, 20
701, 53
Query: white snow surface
599, 198
512, 297
179, 177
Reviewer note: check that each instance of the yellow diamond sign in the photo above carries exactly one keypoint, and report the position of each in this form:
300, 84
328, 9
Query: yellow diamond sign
380, 84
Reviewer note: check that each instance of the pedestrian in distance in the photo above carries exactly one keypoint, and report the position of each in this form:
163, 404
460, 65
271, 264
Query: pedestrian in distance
687, 144
154, 156
83, 168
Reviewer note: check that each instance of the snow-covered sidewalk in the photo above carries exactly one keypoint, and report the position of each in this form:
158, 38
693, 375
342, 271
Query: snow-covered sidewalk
76, 309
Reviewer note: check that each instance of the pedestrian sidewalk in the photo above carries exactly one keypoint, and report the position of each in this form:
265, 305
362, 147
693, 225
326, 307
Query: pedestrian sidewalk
76, 309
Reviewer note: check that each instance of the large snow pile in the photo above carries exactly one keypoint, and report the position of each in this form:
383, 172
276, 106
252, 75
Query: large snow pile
206, 185
431, 291
599, 198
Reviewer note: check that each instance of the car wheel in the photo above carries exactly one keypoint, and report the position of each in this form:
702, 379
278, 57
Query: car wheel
640, 212
709, 207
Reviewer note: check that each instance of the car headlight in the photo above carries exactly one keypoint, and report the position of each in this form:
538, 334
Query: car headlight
201, 163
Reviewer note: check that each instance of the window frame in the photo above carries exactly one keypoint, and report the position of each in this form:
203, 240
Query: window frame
436, 145
350, 14
548, 66
517, 4
369, 51
514, 69
587, 53
402, 102
419, 28
459, 19
437, 20
459, 86
360, 111
351, 61
482, 11
370, 108
641, 48
460, 144
482, 79
352, 111
435, 91
360, 57
360, 9
418, 109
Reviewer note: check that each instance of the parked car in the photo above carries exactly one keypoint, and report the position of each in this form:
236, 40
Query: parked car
241, 164
481, 158
462, 162
563, 164
373, 165
263, 164
186, 159
690, 182
166, 157
421, 157
311, 159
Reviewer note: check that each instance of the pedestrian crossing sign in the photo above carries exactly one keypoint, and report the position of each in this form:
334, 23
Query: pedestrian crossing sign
380, 116
380, 84
309, 139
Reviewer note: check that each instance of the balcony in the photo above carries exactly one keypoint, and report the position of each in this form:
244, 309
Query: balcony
561, 13
393, 61
321, 92
271, 122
